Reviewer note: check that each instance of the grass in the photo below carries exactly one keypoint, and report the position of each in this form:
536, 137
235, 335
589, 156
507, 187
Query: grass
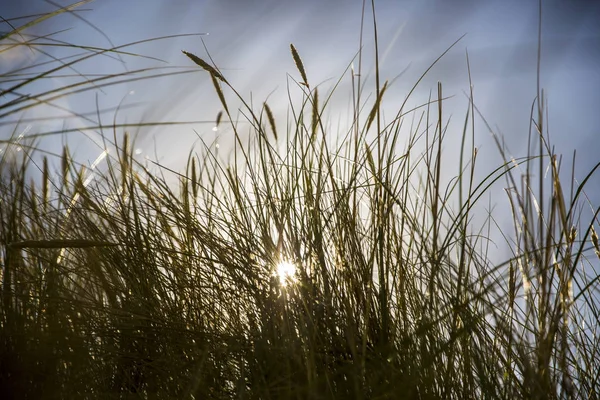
118, 284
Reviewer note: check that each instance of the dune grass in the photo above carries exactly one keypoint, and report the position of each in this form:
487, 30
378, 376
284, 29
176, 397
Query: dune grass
116, 284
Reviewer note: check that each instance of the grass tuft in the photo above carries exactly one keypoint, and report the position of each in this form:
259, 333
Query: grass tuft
308, 268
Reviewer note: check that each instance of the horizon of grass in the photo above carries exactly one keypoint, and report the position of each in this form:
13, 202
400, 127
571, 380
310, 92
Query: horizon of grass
118, 284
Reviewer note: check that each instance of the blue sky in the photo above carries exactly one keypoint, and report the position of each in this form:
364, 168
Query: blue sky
249, 40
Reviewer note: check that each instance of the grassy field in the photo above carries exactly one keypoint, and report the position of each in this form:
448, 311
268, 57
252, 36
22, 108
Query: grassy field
296, 267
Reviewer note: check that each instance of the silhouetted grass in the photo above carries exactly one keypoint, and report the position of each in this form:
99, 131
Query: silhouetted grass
116, 284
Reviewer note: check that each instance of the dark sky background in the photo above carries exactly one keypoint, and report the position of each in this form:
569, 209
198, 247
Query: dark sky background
249, 40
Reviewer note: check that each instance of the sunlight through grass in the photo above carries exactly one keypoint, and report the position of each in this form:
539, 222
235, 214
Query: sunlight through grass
117, 284
286, 272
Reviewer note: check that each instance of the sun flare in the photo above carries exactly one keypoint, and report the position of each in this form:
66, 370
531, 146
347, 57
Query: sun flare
286, 271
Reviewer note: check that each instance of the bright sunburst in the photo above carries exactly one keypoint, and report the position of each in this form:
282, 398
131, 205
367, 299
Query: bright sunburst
286, 271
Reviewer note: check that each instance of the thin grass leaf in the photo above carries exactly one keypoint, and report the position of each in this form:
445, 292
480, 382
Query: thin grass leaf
376, 106
59, 244
45, 17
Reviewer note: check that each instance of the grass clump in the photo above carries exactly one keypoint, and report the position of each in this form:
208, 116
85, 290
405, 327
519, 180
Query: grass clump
117, 284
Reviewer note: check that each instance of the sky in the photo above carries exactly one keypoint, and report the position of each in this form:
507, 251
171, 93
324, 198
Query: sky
249, 41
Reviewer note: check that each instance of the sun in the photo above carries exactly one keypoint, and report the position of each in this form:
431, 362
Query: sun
286, 271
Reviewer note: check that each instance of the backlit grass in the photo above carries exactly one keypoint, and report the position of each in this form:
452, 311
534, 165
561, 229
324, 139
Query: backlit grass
295, 267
